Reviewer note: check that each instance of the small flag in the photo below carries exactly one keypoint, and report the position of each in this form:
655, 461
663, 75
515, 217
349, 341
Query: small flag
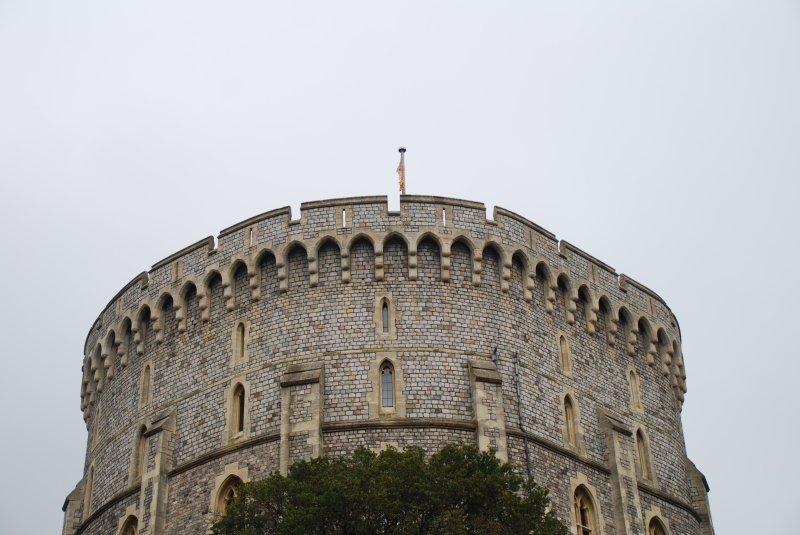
401, 171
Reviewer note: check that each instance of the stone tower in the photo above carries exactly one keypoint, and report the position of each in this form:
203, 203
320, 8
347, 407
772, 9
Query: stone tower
353, 325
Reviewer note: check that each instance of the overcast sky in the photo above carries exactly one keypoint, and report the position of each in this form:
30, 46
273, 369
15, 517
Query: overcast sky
661, 137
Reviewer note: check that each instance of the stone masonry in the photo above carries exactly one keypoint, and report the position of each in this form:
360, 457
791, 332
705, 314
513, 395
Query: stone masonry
234, 358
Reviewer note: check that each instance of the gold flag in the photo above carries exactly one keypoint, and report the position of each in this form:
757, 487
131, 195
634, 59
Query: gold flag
401, 174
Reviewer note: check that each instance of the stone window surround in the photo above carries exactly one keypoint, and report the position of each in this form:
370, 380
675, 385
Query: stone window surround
394, 315
133, 476
652, 481
229, 434
655, 513
376, 408
221, 483
580, 443
568, 369
131, 513
245, 356
581, 481
635, 390
147, 399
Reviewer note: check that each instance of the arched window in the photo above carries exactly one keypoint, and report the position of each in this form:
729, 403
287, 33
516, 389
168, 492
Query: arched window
141, 448
656, 528
87, 497
563, 354
585, 517
131, 526
145, 396
569, 422
385, 316
239, 343
238, 409
387, 385
641, 451
636, 400
227, 492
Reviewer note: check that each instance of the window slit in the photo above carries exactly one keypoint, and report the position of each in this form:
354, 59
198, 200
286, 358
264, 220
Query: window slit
385, 315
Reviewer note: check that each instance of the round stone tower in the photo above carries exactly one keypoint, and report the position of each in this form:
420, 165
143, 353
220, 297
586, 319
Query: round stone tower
353, 325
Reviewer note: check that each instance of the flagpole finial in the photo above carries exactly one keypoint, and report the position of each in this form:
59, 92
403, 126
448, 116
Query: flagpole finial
401, 149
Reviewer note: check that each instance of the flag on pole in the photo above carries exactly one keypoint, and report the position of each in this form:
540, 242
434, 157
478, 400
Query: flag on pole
401, 171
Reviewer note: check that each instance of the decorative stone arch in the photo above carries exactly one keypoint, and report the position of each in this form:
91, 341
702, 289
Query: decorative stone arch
229, 281
606, 306
223, 484
475, 266
564, 353
543, 272
648, 339
254, 270
204, 292
630, 329
109, 353
443, 264
590, 306
347, 249
98, 368
580, 485
139, 326
231, 434
128, 523
528, 275
505, 262
579, 446
374, 399
634, 384
313, 257
679, 373
164, 298
570, 292
642, 446
182, 305
654, 517
240, 342
411, 249
665, 351
282, 262
123, 339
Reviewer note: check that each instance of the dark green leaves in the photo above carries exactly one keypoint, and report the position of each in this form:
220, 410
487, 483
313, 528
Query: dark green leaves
458, 491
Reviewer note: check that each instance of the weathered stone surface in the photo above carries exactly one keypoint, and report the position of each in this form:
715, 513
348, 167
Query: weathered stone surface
474, 311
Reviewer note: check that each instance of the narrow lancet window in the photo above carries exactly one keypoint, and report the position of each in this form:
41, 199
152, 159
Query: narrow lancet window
444, 217
387, 386
635, 399
584, 513
239, 354
238, 409
145, 397
641, 451
569, 421
385, 316
141, 444
563, 351
344, 218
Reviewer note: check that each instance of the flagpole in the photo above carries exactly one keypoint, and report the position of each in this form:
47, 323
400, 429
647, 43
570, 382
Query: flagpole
402, 151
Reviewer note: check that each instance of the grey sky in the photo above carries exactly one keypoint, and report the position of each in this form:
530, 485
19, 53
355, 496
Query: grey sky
662, 138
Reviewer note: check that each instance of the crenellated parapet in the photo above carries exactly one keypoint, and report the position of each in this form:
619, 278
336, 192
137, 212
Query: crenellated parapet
545, 261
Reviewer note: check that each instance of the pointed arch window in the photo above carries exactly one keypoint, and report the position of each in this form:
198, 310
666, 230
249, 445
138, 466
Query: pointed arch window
385, 316
563, 354
569, 422
656, 528
636, 400
387, 386
226, 494
131, 526
239, 343
141, 448
641, 452
585, 517
145, 394
238, 409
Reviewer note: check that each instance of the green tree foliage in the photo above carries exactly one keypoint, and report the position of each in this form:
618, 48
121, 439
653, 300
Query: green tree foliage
458, 491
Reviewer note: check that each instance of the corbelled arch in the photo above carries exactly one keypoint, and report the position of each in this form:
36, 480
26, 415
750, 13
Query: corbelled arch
254, 270
143, 315
630, 329
444, 252
204, 292
610, 315
164, 300
648, 339
282, 261
543, 272
182, 304
411, 251
229, 282
665, 350
473, 251
590, 306
109, 353
313, 257
504, 260
528, 274
570, 291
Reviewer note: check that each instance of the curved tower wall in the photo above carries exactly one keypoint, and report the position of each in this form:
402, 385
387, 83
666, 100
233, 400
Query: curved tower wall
493, 326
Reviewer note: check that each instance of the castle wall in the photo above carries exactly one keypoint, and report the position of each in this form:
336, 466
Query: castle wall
309, 292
